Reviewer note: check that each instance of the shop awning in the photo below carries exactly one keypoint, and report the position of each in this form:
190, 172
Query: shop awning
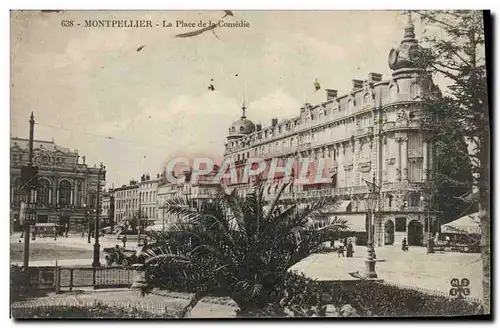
468, 224
354, 222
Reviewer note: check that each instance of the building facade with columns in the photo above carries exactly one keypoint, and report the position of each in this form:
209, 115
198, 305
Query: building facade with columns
373, 130
67, 186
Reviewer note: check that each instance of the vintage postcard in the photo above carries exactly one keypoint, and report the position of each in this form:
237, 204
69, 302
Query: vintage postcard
243, 164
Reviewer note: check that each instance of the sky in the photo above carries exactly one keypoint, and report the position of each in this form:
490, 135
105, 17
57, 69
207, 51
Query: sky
91, 90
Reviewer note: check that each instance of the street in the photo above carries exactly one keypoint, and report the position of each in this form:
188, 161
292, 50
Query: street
73, 250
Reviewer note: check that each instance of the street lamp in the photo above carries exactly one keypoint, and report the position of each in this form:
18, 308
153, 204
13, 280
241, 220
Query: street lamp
101, 175
371, 203
87, 217
429, 237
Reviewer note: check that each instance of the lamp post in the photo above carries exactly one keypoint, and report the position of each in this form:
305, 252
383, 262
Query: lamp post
429, 222
371, 202
101, 174
87, 217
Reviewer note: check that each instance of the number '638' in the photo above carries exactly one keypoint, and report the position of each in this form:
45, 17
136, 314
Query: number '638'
67, 23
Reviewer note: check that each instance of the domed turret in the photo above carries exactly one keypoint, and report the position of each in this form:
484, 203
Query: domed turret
241, 127
408, 54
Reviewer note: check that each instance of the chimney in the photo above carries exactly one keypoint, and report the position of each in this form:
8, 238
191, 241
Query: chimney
143, 178
157, 175
331, 94
374, 77
147, 177
357, 84
259, 127
274, 122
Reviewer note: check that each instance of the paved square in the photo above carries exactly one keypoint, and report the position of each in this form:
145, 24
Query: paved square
414, 268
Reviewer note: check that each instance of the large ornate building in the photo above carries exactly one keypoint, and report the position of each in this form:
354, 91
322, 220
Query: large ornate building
67, 186
373, 130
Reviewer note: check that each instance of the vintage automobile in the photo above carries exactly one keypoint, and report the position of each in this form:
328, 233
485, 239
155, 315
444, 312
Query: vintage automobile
120, 256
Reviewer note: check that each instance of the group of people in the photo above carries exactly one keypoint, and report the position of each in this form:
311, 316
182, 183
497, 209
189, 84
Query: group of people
347, 247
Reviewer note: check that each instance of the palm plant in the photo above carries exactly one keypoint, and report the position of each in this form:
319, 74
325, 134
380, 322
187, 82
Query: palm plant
233, 246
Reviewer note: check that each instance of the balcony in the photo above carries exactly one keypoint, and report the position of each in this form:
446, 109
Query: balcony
352, 190
412, 209
389, 125
364, 131
308, 194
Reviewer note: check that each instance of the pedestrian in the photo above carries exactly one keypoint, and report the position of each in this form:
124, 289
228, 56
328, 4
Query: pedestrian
404, 245
350, 249
340, 250
83, 234
124, 241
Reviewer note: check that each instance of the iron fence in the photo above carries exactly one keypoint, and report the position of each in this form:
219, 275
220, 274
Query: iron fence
26, 309
432, 292
55, 278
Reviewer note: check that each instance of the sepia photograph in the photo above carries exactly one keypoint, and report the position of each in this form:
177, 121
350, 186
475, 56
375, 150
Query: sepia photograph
228, 164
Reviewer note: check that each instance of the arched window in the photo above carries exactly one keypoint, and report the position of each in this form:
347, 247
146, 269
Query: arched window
242, 129
43, 192
233, 129
79, 190
64, 192
350, 104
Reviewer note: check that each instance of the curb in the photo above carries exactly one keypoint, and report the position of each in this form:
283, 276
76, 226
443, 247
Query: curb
187, 296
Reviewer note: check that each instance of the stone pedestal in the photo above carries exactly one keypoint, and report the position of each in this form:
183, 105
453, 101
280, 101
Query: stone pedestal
139, 276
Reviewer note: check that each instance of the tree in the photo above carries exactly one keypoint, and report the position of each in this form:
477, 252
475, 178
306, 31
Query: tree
457, 51
236, 247
453, 177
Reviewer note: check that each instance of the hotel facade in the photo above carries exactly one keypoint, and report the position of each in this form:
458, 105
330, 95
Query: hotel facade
374, 130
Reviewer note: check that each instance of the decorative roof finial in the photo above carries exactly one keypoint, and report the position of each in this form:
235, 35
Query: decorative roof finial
409, 28
243, 108
408, 13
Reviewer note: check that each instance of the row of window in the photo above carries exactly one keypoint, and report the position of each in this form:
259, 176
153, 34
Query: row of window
44, 195
148, 196
147, 213
394, 95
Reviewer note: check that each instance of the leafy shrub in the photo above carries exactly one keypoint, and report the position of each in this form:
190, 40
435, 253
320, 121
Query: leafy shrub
236, 246
369, 299
386, 300
97, 311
